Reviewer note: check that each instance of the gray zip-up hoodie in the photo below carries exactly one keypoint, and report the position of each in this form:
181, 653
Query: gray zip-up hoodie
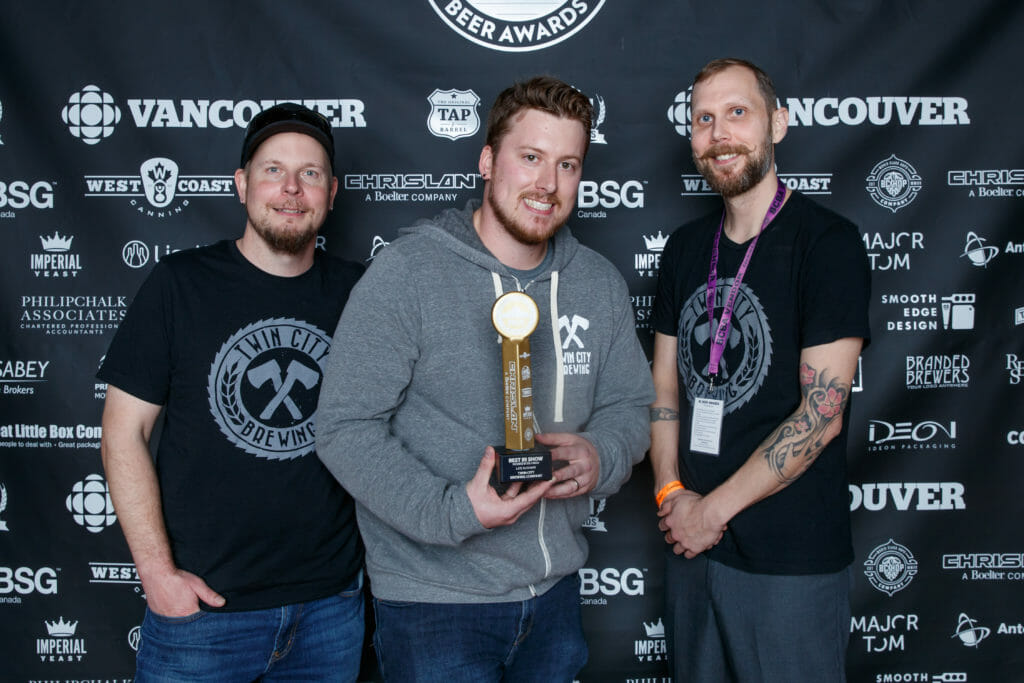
412, 395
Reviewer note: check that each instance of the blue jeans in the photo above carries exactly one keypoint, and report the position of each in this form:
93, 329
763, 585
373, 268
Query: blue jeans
724, 624
540, 639
320, 640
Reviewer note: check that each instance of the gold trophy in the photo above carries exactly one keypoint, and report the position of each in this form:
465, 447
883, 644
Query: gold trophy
515, 316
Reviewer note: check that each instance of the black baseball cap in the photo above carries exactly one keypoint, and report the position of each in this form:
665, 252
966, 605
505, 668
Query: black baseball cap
287, 117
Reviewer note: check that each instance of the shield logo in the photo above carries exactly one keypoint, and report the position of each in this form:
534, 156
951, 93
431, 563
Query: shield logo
159, 179
453, 113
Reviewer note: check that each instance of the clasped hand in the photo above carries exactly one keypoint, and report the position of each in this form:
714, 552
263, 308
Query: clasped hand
686, 519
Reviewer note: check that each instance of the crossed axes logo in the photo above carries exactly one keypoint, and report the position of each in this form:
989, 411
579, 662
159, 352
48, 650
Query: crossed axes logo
263, 387
271, 372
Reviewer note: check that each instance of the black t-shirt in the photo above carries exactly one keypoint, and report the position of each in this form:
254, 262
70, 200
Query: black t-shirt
236, 355
808, 283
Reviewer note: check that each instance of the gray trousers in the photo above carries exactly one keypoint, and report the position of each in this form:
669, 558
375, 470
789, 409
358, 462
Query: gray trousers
724, 624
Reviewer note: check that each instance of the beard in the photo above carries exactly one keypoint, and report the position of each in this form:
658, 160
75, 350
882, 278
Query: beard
518, 231
282, 240
759, 163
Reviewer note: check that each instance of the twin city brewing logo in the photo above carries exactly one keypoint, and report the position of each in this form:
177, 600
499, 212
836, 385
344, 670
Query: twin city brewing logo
264, 384
511, 26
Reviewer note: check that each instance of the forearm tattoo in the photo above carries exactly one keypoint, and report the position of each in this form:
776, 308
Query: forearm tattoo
659, 414
794, 445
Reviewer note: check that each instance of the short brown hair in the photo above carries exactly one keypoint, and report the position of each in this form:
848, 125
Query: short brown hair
544, 93
764, 82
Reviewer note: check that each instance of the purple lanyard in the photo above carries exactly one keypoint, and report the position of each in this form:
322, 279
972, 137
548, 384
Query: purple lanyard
722, 333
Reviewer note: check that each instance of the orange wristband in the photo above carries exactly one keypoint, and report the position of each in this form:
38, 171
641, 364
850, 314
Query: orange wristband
667, 489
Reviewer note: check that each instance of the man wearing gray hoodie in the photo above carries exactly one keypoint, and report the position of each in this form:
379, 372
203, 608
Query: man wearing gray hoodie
470, 583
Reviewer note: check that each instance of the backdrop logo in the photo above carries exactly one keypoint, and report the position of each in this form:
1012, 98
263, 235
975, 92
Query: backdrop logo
968, 631
135, 254
890, 567
61, 645
679, 112
410, 187
453, 113
878, 111
608, 194
648, 262
609, 582
596, 136
976, 251
159, 183
850, 111
927, 312
593, 520
1014, 368
25, 581
263, 387
643, 308
938, 371
893, 183
892, 251
376, 245
946, 495
653, 647
886, 633
135, 638
986, 566
928, 435
694, 184
1, 119
91, 114
72, 314
511, 26
57, 260
90, 505
1005, 182
19, 194
3, 506
16, 374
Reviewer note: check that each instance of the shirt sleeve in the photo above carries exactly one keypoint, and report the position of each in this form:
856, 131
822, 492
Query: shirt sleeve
836, 289
138, 360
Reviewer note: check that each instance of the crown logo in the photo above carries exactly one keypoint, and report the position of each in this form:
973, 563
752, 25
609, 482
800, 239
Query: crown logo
61, 628
655, 630
655, 242
56, 243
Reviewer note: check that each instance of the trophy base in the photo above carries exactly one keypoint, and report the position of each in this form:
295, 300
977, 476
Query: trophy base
533, 464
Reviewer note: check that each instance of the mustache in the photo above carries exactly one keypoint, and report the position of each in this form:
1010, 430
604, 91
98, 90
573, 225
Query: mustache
543, 198
719, 150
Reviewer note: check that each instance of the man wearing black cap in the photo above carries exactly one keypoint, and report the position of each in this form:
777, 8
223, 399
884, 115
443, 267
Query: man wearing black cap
246, 546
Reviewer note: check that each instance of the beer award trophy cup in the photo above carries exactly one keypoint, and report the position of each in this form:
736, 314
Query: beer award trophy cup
515, 317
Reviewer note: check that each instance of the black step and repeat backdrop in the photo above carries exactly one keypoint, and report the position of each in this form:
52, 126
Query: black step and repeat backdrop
120, 126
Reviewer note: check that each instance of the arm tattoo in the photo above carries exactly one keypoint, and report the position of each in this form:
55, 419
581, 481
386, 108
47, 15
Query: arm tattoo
794, 445
658, 414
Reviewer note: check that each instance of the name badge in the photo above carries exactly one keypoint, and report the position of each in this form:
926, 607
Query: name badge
706, 425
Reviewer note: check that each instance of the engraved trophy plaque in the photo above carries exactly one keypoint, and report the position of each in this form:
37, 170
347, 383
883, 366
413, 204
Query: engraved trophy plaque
515, 316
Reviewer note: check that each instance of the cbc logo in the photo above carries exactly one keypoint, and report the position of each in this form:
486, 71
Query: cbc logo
610, 194
19, 195
611, 581
1015, 438
25, 580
